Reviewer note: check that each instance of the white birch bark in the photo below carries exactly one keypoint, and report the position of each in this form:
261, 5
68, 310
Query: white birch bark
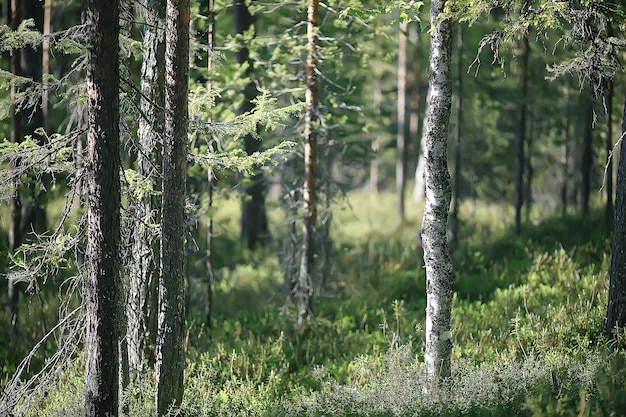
439, 279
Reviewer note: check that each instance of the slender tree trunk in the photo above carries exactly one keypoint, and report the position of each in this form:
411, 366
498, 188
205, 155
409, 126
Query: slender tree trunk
419, 188
521, 139
254, 227
565, 153
45, 64
307, 271
401, 118
144, 275
102, 287
616, 309
609, 149
439, 278
170, 356
208, 305
587, 158
15, 206
377, 103
414, 88
456, 196
528, 195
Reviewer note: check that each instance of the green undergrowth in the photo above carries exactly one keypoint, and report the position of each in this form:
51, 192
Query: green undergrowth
528, 326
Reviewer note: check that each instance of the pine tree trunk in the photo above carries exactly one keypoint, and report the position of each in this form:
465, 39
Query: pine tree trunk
439, 279
616, 309
608, 180
521, 140
144, 275
208, 304
102, 286
307, 272
565, 153
15, 206
254, 227
419, 188
170, 356
587, 158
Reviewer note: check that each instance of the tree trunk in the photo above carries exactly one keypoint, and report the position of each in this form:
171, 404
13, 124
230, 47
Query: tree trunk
307, 272
401, 118
144, 275
616, 309
419, 188
439, 279
254, 227
608, 180
102, 287
587, 157
565, 153
208, 304
456, 197
377, 104
170, 356
15, 206
521, 139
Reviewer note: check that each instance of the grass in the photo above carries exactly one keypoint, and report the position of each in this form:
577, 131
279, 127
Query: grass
528, 324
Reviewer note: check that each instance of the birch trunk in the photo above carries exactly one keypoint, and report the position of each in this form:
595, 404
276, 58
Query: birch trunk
439, 279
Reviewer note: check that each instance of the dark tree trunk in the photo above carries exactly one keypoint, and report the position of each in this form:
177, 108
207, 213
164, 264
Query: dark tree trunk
170, 355
307, 266
439, 278
254, 227
587, 158
616, 309
144, 275
521, 139
102, 287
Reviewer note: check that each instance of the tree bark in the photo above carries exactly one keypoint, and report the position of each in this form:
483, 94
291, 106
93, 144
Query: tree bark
102, 286
439, 279
170, 355
616, 309
307, 273
521, 139
144, 275
254, 226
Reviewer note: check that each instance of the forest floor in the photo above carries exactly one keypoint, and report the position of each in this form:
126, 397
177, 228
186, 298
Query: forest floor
528, 324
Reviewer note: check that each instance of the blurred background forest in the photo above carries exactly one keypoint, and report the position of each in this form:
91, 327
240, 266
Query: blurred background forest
533, 190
